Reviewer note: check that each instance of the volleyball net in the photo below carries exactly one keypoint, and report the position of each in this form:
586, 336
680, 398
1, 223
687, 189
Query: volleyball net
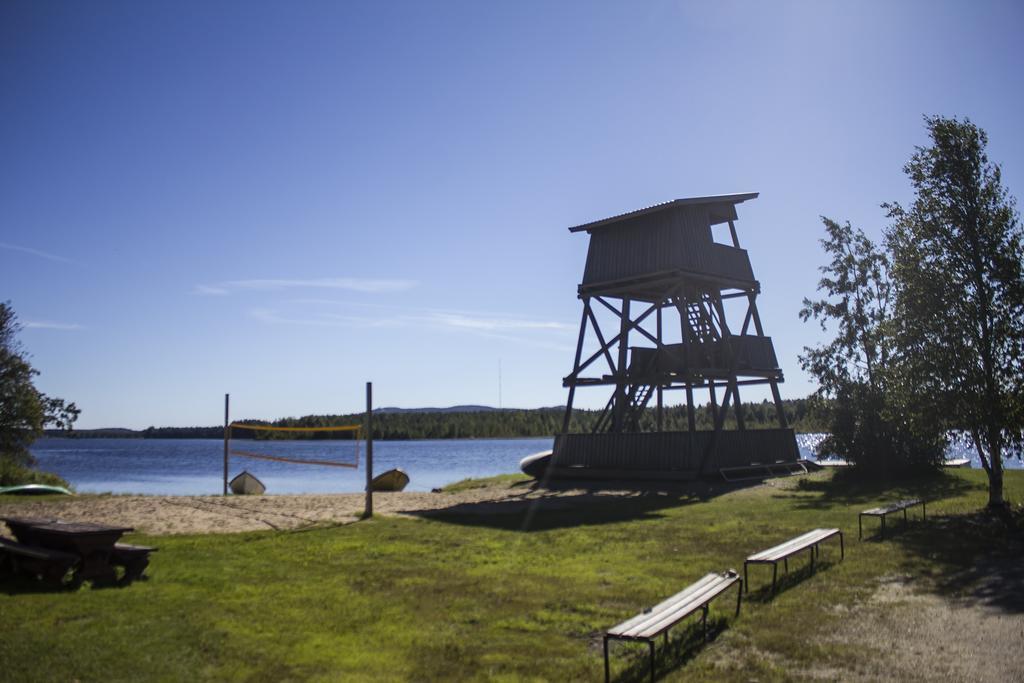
315, 441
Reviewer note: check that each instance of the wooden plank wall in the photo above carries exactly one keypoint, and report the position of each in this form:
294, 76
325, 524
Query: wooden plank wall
751, 351
674, 451
653, 243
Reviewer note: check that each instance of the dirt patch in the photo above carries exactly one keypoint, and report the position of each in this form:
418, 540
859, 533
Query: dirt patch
921, 636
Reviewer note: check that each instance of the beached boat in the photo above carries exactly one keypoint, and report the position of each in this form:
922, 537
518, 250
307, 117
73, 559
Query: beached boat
957, 462
34, 490
247, 484
534, 465
833, 463
392, 480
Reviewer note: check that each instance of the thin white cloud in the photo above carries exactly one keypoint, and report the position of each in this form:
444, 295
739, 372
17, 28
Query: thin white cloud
487, 323
46, 325
210, 290
489, 326
273, 317
353, 284
34, 252
443, 317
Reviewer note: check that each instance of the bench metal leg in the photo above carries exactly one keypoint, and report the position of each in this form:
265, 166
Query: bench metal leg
739, 597
881, 534
746, 578
785, 564
775, 573
842, 548
651, 643
812, 559
607, 672
704, 622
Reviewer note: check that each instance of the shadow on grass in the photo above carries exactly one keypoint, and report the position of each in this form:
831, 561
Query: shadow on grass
849, 487
17, 584
571, 504
762, 577
975, 556
683, 645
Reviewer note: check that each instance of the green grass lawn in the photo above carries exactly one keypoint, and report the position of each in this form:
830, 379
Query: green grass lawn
498, 597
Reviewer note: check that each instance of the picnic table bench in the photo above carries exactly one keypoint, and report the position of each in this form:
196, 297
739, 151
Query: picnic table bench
657, 620
92, 546
883, 510
134, 559
782, 552
51, 565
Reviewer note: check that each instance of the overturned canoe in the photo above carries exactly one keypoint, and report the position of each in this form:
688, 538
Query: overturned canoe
534, 465
34, 490
247, 484
957, 462
392, 480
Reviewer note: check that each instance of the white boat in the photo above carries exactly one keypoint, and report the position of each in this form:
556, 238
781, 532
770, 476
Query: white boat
957, 462
535, 465
247, 484
392, 480
833, 462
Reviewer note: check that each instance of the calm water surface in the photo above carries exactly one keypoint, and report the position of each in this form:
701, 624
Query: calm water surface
195, 466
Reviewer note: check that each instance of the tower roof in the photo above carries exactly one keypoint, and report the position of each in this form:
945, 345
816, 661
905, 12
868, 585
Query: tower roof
724, 200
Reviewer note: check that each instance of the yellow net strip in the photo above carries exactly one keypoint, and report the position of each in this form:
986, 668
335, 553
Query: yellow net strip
277, 458
268, 428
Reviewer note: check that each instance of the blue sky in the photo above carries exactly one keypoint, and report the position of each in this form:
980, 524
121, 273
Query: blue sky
285, 200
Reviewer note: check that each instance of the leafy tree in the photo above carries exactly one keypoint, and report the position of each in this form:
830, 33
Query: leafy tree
24, 410
959, 291
867, 425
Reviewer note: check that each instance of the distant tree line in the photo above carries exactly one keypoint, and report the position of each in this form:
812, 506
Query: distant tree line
802, 414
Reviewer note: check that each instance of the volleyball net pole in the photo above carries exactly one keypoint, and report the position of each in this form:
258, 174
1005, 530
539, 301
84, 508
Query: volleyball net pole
368, 508
227, 440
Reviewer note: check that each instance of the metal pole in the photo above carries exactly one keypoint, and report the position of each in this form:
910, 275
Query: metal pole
227, 439
661, 407
368, 511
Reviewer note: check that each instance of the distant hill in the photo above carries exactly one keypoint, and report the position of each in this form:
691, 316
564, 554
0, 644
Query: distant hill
452, 409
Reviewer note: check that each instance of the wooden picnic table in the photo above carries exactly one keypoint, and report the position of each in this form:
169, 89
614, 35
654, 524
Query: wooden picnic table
93, 543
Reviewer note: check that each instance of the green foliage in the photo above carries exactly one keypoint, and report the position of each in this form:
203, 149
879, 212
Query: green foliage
15, 474
870, 423
959, 317
477, 597
24, 410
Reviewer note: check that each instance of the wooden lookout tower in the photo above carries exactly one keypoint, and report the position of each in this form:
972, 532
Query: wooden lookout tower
667, 285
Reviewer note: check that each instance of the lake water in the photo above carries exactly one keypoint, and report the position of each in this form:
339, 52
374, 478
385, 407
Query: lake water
195, 466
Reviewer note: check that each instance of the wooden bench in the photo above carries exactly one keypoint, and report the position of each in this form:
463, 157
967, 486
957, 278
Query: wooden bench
657, 620
134, 559
51, 565
882, 511
782, 552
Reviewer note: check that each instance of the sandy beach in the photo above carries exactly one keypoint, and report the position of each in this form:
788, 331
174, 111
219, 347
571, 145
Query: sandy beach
162, 515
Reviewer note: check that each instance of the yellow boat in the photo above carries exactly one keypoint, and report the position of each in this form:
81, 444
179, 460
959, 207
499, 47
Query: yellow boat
392, 480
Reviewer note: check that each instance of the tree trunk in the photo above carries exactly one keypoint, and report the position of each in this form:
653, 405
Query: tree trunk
995, 479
